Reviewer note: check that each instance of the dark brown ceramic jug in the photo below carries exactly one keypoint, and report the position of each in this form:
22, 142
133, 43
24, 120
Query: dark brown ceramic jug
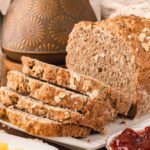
40, 28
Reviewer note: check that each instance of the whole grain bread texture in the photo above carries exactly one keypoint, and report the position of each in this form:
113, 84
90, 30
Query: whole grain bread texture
9, 98
77, 82
40, 126
55, 96
117, 52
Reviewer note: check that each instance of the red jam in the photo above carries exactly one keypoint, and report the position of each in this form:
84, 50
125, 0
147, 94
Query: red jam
131, 140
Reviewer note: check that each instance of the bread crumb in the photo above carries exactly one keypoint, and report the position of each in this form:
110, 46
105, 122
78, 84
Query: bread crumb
96, 58
142, 36
76, 103
137, 49
57, 99
148, 38
74, 96
34, 105
94, 93
102, 55
122, 122
88, 140
72, 81
66, 113
129, 37
2, 131
76, 76
86, 85
145, 46
37, 140
146, 30
73, 87
62, 95
4, 126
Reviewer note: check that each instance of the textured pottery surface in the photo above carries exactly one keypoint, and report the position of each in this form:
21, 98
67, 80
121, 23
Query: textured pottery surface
35, 26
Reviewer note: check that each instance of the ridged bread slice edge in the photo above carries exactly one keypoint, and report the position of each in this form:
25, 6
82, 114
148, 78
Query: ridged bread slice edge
75, 81
40, 126
48, 93
8, 98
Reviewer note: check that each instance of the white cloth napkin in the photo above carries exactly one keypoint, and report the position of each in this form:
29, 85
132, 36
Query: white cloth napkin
142, 9
96, 5
111, 8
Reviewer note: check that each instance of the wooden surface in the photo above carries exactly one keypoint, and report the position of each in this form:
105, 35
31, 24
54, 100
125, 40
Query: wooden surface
14, 132
11, 65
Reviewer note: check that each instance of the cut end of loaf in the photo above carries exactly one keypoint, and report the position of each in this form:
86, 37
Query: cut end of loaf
105, 56
112, 51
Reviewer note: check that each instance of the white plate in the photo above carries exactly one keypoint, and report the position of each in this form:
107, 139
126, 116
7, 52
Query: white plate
96, 141
25, 144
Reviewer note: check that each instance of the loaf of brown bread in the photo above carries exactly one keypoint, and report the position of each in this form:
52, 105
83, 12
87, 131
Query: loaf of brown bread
77, 82
55, 96
117, 52
40, 126
25, 103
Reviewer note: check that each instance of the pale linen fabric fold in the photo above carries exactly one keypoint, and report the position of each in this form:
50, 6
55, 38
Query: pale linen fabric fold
142, 10
96, 5
112, 8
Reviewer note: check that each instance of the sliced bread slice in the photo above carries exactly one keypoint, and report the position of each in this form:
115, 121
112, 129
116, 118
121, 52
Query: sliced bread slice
75, 81
25, 103
41, 126
59, 97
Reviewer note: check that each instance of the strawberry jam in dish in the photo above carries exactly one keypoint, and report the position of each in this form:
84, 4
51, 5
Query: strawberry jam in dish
132, 140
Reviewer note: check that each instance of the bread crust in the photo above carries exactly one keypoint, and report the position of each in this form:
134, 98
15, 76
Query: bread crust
41, 126
75, 81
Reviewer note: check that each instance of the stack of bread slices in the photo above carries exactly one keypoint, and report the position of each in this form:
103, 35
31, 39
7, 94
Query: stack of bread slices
46, 100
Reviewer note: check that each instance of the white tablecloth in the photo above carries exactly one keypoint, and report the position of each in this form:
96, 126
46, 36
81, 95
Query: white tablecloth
111, 8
